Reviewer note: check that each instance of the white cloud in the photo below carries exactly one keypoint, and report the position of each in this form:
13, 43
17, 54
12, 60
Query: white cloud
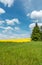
35, 14
32, 25
30, 5
9, 29
8, 34
1, 22
9, 3
12, 22
2, 11
6, 29
17, 28
12, 36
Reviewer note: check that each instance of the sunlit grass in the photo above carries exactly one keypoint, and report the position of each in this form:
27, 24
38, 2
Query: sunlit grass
21, 54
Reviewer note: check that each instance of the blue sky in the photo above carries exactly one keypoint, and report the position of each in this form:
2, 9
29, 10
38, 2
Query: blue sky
18, 17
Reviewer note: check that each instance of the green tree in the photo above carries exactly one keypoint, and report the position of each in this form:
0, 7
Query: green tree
41, 32
36, 33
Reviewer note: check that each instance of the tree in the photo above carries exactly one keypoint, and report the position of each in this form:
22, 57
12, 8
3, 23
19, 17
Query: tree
36, 33
41, 32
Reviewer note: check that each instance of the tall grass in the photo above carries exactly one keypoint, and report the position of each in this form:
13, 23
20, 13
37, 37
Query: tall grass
21, 54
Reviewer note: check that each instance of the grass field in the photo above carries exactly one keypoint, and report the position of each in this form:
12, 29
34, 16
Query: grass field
21, 54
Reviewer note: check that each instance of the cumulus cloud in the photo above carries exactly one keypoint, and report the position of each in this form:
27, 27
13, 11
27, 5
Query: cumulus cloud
35, 14
9, 3
12, 22
32, 25
9, 29
2, 11
30, 5
8, 34
6, 29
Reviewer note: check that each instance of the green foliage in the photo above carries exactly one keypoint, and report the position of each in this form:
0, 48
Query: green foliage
36, 33
41, 32
21, 53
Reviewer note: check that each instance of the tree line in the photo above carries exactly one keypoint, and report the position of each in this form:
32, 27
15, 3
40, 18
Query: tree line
36, 33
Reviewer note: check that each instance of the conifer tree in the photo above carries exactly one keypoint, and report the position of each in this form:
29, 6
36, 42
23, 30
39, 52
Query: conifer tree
41, 32
36, 33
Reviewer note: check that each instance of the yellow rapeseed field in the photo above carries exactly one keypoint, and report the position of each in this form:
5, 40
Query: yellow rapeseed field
17, 40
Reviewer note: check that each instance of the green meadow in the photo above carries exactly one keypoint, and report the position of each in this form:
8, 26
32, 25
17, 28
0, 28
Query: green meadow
29, 53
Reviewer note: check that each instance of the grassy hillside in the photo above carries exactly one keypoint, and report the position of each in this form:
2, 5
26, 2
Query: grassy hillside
21, 54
